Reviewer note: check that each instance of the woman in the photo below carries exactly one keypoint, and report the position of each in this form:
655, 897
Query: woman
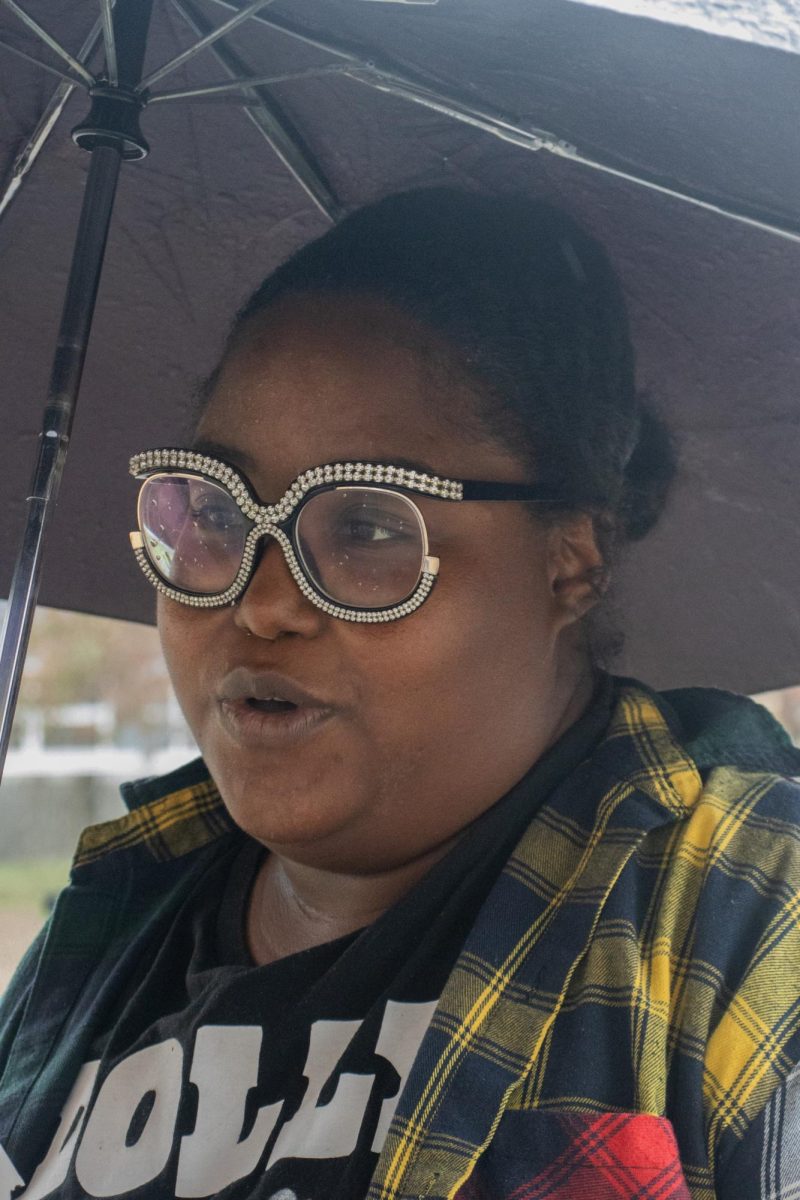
460, 915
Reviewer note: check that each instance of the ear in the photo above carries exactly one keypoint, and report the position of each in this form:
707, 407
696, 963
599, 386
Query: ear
578, 575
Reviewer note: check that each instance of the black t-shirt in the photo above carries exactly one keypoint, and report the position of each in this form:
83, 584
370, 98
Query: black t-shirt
220, 1077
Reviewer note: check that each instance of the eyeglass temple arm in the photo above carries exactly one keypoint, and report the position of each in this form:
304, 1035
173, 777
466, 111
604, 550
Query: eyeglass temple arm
477, 489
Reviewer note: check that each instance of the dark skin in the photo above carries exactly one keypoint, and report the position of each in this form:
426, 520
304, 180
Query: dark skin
435, 716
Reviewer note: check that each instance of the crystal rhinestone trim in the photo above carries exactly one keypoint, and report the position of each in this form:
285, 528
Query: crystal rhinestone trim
213, 468
362, 616
267, 518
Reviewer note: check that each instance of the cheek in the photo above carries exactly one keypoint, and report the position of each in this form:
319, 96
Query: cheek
482, 643
186, 634
455, 698
499, 595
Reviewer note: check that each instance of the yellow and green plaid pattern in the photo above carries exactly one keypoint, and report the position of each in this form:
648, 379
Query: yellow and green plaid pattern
640, 952
656, 969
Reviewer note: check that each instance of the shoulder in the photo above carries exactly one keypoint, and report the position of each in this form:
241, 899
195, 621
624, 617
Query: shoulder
744, 817
721, 728
730, 859
168, 817
724, 914
738, 755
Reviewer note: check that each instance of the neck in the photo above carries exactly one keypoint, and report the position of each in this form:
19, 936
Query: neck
294, 906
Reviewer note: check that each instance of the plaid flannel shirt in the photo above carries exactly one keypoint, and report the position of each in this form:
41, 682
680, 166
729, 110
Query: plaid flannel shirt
623, 1021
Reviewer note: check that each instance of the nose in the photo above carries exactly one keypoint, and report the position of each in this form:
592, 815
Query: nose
272, 604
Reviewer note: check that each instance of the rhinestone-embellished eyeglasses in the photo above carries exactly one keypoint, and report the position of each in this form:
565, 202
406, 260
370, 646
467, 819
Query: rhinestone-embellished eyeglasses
353, 537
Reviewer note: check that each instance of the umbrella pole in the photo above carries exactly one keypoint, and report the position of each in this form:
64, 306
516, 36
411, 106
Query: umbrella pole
111, 133
65, 379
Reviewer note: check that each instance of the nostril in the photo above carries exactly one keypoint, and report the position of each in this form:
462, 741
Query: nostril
272, 604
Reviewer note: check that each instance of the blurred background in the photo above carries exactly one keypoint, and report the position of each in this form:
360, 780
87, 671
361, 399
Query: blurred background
96, 708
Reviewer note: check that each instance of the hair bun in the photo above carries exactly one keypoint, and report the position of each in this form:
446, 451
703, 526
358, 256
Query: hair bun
647, 476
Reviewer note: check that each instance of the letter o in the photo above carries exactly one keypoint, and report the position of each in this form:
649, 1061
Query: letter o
105, 1165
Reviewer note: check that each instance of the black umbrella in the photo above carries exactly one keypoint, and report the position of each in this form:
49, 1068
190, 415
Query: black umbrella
675, 141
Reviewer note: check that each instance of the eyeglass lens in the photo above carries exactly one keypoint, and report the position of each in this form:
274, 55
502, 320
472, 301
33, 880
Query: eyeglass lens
194, 532
361, 547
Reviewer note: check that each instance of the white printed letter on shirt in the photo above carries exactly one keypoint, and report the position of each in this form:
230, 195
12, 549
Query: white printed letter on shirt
330, 1130
224, 1069
106, 1165
403, 1029
10, 1178
52, 1170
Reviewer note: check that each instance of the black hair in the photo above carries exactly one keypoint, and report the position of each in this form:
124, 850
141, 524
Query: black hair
534, 318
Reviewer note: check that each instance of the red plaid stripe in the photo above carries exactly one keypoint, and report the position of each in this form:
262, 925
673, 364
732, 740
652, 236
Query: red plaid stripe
617, 1156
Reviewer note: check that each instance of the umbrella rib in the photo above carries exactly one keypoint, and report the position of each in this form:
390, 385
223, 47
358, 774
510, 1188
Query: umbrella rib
295, 158
301, 35
212, 36
35, 28
45, 125
365, 68
531, 138
35, 143
109, 41
244, 85
262, 110
39, 62
732, 214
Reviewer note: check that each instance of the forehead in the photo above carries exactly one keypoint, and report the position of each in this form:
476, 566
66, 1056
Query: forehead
321, 379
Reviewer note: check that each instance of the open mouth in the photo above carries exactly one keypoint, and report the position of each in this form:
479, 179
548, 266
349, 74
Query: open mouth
272, 722
266, 708
271, 706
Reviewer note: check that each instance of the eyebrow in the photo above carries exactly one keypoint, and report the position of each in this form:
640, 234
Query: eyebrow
240, 458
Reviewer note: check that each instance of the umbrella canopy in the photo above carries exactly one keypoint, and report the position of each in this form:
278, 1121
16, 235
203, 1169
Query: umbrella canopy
574, 102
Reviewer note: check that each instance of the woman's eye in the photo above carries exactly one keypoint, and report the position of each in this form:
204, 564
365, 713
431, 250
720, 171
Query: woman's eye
211, 515
373, 528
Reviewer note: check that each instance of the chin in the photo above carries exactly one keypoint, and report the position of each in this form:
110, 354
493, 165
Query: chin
288, 820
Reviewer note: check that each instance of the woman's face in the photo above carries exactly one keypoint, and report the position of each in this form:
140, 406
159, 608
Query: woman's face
416, 725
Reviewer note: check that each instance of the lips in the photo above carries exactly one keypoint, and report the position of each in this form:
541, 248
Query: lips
267, 708
264, 686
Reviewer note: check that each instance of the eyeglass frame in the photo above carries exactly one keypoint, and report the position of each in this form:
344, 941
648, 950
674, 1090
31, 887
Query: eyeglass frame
279, 520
